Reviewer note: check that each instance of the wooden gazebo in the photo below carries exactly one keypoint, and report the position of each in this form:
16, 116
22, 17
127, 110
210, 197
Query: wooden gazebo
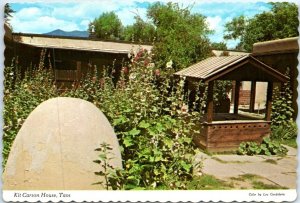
224, 132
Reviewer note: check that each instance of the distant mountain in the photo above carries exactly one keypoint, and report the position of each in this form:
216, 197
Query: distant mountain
75, 33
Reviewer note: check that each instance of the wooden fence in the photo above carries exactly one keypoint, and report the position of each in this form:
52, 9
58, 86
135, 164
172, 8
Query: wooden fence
68, 75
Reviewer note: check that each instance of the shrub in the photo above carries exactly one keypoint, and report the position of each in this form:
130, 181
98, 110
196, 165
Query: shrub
152, 123
282, 111
141, 118
221, 100
106, 168
285, 132
283, 127
21, 96
156, 141
267, 147
181, 36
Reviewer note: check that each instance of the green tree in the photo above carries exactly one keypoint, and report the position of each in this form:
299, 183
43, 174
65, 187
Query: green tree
7, 12
280, 22
107, 26
236, 30
181, 36
219, 45
140, 31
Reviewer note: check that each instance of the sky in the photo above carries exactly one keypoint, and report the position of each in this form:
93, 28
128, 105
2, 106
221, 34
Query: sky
41, 17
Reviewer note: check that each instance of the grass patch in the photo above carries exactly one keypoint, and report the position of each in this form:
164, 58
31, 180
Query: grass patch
237, 179
290, 143
219, 160
249, 176
205, 151
256, 184
208, 182
261, 185
229, 152
271, 161
224, 152
225, 162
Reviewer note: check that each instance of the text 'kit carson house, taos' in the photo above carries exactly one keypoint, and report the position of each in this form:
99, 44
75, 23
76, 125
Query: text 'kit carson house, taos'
254, 76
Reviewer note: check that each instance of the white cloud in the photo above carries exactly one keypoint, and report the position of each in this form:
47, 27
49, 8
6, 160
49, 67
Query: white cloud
89, 9
231, 44
214, 23
28, 13
76, 15
262, 8
126, 15
58, 23
42, 24
228, 19
85, 23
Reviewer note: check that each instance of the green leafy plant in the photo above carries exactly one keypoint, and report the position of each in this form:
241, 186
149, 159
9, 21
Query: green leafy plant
249, 148
107, 26
181, 36
284, 129
22, 94
282, 111
208, 182
221, 100
262, 185
156, 142
152, 121
104, 158
288, 131
267, 147
279, 22
139, 31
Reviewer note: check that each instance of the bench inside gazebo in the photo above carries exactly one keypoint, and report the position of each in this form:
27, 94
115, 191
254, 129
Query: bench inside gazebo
225, 131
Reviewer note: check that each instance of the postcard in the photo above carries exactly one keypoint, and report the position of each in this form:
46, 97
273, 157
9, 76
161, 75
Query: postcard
148, 100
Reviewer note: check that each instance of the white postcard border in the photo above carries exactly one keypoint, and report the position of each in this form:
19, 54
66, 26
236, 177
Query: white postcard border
152, 196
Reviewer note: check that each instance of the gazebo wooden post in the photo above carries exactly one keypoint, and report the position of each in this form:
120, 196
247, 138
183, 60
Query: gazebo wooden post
269, 101
252, 96
78, 70
236, 96
210, 107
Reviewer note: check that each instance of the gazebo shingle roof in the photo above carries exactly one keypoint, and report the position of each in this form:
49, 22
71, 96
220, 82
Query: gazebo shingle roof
218, 66
208, 66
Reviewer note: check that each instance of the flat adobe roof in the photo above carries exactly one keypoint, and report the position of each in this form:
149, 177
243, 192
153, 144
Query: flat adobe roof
82, 44
286, 45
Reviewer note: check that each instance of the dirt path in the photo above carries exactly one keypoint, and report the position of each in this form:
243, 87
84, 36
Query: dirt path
253, 172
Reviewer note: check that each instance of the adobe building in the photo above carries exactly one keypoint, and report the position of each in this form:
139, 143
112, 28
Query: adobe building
281, 55
70, 57
9, 45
